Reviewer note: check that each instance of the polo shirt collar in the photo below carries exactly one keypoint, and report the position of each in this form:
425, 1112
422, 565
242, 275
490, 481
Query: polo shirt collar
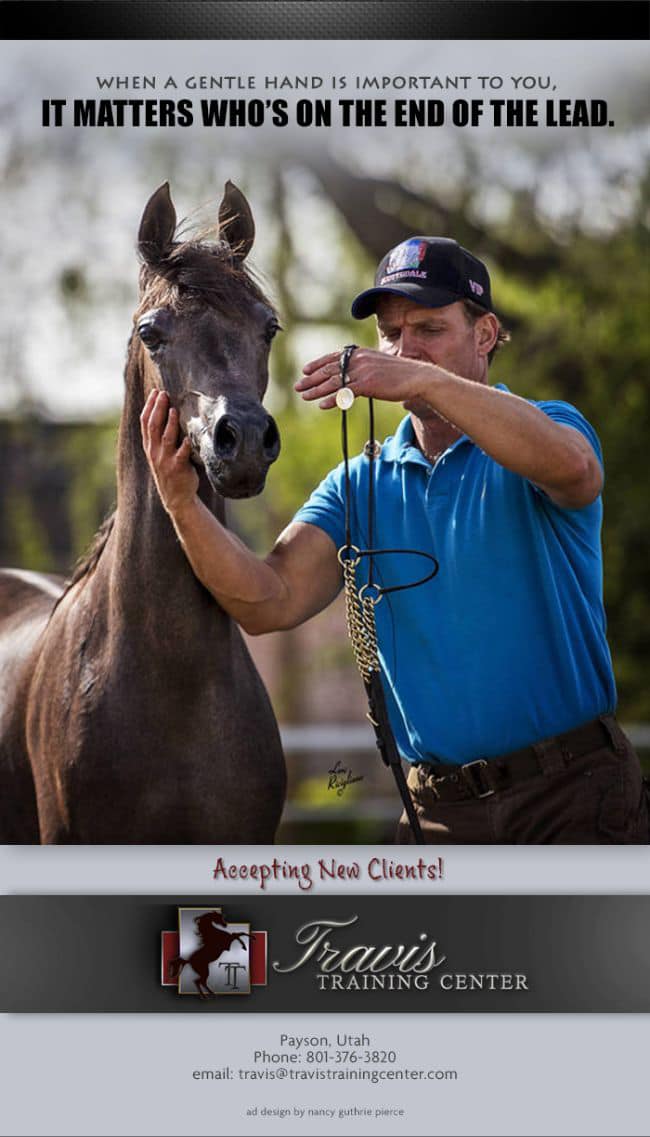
401, 447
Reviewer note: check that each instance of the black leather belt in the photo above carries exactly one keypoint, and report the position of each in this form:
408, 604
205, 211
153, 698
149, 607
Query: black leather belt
486, 776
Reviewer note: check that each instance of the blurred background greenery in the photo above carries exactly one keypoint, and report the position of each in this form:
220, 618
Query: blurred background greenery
563, 226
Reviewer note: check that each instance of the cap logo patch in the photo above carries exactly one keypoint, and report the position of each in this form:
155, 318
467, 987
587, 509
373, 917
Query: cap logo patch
406, 256
476, 288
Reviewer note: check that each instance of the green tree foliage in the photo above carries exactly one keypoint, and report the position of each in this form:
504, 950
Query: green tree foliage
583, 334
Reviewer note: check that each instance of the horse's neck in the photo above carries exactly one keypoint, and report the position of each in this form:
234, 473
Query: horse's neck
149, 569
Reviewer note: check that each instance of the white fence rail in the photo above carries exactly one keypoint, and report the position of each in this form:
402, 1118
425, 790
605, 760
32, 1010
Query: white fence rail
351, 738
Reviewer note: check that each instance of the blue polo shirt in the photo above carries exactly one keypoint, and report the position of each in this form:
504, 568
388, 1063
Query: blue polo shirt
506, 645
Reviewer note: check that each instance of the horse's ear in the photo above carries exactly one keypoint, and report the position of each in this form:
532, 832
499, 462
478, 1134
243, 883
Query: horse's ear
157, 226
236, 223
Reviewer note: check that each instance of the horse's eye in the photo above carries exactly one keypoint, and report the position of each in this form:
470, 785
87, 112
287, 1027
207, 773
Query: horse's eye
271, 330
151, 334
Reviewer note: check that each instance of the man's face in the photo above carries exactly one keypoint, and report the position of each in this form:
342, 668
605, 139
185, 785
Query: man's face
433, 335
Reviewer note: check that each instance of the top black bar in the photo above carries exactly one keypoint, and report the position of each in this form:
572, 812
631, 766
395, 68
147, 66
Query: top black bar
326, 19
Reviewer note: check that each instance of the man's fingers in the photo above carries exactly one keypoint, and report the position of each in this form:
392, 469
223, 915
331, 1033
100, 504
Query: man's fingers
327, 387
170, 433
184, 452
322, 361
146, 413
328, 404
322, 383
146, 410
327, 368
319, 375
323, 380
158, 416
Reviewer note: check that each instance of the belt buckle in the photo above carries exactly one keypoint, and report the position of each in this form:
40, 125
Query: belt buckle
480, 763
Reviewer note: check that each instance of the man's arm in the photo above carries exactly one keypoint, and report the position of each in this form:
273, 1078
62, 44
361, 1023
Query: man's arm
300, 576
556, 458
511, 430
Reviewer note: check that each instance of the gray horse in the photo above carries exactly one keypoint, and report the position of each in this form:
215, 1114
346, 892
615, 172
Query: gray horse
130, 709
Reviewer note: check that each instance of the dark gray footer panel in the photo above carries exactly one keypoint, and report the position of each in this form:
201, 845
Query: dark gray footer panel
491, 954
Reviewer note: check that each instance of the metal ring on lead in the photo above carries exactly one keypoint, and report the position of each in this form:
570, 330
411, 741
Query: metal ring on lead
351, 559
371, 599
373, 448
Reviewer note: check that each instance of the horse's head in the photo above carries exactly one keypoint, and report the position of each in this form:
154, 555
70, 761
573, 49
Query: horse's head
206, 329
208, 918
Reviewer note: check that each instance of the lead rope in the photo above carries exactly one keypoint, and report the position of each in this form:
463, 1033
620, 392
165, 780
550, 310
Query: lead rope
360, 602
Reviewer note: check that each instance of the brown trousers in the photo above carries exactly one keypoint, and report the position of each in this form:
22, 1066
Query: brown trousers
596, 799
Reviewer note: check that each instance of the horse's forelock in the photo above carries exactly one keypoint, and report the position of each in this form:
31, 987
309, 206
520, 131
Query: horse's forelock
198, 269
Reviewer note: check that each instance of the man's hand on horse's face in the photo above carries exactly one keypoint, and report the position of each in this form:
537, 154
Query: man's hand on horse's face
176, 479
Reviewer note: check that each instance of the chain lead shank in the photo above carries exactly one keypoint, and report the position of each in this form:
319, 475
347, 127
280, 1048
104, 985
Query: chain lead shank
360, 604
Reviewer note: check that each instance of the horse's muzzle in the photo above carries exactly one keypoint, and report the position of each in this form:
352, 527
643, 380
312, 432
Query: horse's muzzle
249, 434
236, 448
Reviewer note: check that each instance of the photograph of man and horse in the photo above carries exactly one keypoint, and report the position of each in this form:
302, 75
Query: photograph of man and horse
164, 677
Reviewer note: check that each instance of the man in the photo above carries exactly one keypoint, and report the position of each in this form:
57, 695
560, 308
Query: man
497, 672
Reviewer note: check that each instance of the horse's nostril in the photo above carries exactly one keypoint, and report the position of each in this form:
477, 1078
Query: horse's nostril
226, 438
271, 439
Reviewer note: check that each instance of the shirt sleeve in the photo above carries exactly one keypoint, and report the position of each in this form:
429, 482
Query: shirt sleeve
567, 415
325, 508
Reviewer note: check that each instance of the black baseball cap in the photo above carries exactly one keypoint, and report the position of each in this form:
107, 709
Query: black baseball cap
433, 271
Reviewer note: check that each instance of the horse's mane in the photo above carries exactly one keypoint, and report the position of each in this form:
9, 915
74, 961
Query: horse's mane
88, 561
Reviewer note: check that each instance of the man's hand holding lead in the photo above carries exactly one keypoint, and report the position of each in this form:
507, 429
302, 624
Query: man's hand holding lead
373, 374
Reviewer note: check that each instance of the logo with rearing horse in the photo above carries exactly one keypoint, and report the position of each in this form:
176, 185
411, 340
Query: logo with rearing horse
209, 956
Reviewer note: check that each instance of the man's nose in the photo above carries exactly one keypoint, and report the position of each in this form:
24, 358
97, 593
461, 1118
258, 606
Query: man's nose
408, 346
